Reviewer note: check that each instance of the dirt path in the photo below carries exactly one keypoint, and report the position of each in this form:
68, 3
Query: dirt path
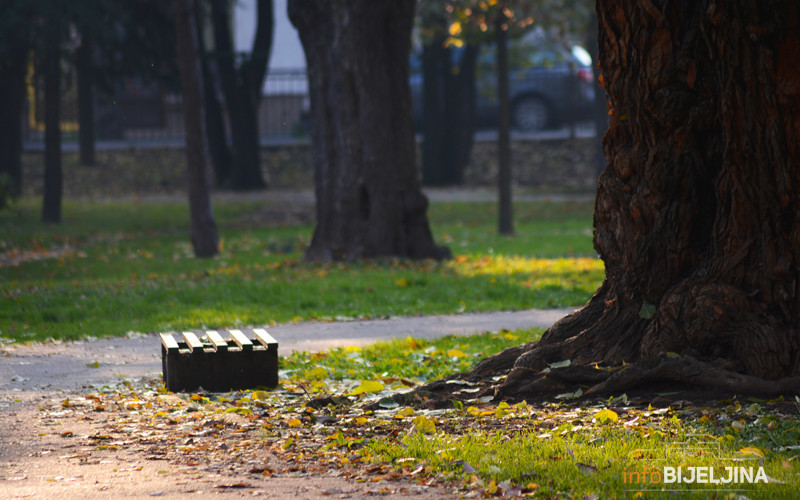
48, 442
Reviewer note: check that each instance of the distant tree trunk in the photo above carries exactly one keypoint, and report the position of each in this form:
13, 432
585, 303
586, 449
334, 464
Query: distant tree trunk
53, 176
600, 114
242, 89
697, 216
215, 124
506, 209
448, 113
13, 70
85, 68
369, 200
435, 61
204, 229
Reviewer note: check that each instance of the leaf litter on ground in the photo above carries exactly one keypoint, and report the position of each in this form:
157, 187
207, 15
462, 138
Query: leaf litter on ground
317, 422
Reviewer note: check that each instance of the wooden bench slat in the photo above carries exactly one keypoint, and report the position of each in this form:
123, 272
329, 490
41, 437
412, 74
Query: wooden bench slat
216, 341
264, 337
192, 341
169, 342
241, 340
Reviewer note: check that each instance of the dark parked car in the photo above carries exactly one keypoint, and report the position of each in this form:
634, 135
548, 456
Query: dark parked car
549, 86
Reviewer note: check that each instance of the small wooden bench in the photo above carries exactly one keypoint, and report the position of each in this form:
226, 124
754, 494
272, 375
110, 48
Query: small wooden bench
218, 365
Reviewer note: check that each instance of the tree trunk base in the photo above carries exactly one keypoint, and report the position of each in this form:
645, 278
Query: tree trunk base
576, 359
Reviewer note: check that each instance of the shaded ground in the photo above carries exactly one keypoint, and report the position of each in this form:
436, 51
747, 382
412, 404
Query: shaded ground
56, 437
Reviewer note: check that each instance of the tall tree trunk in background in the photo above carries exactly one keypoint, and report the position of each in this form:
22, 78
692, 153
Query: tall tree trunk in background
435, 61
85, 68
53, 175
448, 113
204, 229
459, 114
242, 88
369, 199
13, 71
215, 124
697, 217
506, 209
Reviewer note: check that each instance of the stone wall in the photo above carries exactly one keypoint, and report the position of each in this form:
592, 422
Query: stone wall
563, 165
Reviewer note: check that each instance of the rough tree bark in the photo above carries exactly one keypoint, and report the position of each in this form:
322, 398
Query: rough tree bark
204, 230
698, 211
369, 201
242, 89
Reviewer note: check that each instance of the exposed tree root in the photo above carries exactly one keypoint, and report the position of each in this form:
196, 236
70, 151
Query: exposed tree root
676, 372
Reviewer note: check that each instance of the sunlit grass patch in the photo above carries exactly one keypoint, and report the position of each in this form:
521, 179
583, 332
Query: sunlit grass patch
412, 358
570, 451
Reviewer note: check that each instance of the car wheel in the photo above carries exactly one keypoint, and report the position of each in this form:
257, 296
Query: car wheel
530, 114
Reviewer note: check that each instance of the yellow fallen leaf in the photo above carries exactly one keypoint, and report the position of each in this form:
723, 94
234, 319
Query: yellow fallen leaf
502, 410
259, 395
367, 386
455, 353
424, 425
606, 415
752, 450
406, 412
401, 282
295, 422
361, 420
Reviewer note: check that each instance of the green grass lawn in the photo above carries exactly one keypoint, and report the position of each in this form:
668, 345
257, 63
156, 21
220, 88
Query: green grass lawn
117, 266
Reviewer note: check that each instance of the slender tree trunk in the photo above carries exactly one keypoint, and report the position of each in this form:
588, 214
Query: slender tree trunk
435, 62
85, 68
369, 200
13, 71
204, 229
215, 124
53, 176
506, 209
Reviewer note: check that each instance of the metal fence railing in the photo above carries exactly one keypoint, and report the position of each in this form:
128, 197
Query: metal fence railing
135, 111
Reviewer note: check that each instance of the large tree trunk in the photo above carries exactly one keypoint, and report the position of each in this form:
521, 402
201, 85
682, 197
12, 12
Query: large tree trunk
698, 212
204, 230
53, 175
369, 201
242, 88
